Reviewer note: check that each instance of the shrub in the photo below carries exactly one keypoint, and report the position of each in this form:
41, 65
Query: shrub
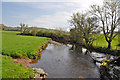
34, 31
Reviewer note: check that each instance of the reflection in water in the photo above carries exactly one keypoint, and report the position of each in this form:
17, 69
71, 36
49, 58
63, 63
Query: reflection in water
63, 62
76, 48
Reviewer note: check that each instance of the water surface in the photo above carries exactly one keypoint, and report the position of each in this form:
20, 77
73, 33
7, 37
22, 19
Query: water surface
67, 61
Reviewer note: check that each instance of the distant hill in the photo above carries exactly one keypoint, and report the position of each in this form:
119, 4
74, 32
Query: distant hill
3, 27
6, 28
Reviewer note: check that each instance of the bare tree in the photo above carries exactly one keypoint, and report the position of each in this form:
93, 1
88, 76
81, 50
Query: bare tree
109, 19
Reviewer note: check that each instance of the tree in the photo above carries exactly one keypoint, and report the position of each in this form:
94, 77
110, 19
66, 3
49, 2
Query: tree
109, 19
76, 33
26, 30
85, 26
22, 25
73, 34
34, 31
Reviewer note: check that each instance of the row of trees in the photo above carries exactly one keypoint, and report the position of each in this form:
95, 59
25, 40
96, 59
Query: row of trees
100, 18
57, 35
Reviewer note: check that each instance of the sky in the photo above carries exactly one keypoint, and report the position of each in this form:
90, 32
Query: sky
53, 14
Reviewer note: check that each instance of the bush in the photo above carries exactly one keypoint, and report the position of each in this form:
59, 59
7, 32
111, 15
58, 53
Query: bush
34, 31
40, 33
26, 31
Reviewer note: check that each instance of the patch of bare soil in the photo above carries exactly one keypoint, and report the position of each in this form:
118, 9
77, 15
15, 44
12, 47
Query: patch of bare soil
54, 42
26, 61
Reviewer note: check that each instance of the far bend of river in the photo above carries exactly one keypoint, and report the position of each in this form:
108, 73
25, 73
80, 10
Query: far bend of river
65, 62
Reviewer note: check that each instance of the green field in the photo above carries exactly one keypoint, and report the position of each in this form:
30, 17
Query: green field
19, 46
101, 42
15, 70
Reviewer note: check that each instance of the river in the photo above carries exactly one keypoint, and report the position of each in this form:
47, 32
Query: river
67, 61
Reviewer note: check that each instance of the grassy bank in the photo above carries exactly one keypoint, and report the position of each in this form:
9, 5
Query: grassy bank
101, 42
15, 70
19, 46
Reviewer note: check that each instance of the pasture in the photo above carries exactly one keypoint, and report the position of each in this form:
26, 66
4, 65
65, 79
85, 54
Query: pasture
101, 42
19, 46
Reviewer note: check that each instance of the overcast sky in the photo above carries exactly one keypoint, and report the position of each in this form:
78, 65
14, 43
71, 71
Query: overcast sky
43, 13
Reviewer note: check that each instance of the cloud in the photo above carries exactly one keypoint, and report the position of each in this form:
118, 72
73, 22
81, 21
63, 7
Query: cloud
61, 10
81, 4
58, 19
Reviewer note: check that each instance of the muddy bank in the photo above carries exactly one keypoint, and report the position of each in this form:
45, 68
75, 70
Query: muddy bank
54, 42
27, 61
23, 61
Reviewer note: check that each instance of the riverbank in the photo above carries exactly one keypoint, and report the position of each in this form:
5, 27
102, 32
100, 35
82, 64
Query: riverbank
54, 42
27, 61
11, 70
19, 51
99, 45
102, 50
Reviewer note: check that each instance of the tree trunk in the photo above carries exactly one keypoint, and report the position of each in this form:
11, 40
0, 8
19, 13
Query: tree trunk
79, 38
109, 45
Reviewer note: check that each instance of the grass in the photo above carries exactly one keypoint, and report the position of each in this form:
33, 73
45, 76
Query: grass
15, 70
101, 42
19, 46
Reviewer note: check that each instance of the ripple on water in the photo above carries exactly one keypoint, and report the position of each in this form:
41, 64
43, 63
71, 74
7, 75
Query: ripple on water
62, 62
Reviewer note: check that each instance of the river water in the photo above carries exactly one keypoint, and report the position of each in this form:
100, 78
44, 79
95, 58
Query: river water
67, 61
